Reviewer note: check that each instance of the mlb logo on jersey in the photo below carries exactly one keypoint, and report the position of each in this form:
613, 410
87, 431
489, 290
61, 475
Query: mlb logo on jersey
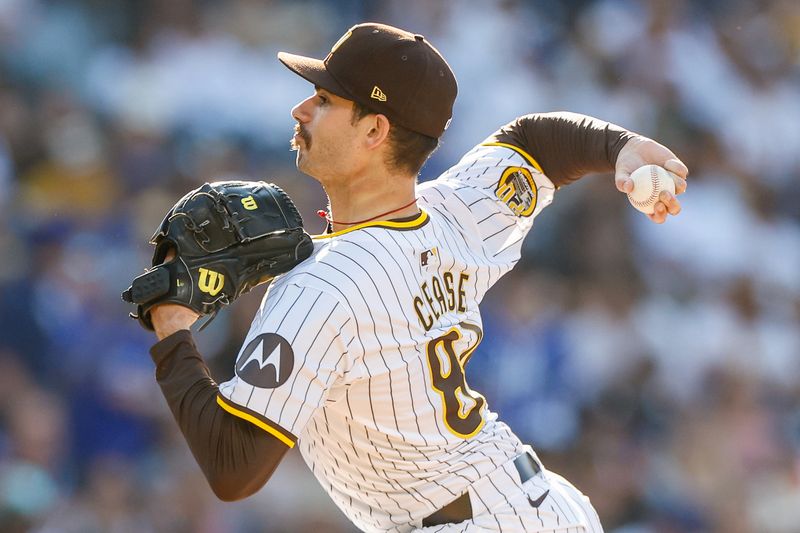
429, 258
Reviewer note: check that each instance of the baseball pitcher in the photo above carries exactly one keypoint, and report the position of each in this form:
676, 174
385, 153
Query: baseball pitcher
357, 354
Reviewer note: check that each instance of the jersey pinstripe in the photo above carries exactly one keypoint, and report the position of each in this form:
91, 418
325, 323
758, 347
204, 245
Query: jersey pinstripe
358, 353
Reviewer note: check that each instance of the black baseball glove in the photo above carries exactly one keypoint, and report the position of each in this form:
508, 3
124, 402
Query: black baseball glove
228, 237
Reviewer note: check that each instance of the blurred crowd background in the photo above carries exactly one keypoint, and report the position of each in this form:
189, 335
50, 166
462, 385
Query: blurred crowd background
657, 367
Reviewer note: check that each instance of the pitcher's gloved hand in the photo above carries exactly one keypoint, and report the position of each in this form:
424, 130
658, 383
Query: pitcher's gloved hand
227, 237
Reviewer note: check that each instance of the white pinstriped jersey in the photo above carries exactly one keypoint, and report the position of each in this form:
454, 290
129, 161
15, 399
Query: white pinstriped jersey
358, 353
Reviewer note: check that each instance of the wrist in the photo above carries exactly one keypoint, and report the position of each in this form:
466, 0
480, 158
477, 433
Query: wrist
171, 318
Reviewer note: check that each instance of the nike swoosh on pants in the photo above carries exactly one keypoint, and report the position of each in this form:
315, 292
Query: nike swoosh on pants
538, 501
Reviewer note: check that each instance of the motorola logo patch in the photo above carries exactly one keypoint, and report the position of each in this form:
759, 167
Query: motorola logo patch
267, 361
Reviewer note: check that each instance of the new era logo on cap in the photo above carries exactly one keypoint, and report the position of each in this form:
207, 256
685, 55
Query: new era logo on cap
377, 94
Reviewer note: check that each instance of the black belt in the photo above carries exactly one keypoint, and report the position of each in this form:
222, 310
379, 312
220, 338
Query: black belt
460, 509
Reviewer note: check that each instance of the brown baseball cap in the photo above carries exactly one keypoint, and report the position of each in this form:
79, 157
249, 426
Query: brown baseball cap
388, 70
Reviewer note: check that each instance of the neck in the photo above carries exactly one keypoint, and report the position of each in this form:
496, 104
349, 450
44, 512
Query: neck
375, 198
341, 224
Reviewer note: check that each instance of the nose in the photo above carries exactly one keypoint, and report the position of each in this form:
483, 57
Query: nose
302, 111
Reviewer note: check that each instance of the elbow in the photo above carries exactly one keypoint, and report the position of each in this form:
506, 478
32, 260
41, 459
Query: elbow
234, 486
224, 496
239, 466
227, 495
228, 490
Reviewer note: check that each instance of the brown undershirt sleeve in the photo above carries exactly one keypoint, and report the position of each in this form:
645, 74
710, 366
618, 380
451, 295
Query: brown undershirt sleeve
566, 145
236, 457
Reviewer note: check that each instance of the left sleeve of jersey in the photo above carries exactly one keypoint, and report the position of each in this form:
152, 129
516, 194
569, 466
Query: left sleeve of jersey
296, 349
493, 193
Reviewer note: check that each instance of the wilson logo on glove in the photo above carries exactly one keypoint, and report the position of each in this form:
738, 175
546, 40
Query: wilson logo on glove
249, 203
249, 231
210, 281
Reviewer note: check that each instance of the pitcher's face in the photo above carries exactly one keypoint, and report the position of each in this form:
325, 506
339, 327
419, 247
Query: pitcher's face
325, 138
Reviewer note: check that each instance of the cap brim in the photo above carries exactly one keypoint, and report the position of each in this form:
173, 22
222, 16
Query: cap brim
313, 70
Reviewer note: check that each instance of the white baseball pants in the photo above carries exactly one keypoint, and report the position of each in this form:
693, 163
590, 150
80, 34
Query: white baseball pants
546, 503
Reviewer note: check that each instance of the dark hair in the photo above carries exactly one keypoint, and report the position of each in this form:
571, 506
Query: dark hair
409, 149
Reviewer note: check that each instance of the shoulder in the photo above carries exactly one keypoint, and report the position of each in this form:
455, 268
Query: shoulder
489, 159
303, 298
483, 167
346, 264
496, 171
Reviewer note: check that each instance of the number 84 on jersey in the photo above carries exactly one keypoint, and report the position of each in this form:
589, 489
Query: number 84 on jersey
447, 355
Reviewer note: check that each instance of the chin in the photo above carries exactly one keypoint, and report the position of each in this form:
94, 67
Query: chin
301, 163
306, 169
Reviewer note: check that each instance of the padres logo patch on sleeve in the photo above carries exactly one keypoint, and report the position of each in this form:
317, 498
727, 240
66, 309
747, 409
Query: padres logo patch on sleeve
267, 361
517, 189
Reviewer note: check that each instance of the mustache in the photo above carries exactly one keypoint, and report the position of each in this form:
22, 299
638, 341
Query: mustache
301, 132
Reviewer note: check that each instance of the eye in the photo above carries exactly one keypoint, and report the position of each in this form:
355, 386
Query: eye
323, 100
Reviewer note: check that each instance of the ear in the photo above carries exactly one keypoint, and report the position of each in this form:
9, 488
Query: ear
378, 131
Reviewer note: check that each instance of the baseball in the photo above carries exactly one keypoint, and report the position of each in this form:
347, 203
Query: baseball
648, 182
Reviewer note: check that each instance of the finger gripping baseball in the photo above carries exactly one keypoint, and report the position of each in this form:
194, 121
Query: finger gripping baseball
227, 237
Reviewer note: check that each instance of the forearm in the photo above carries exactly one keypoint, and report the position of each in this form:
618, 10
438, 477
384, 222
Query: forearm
236, 457
566, 145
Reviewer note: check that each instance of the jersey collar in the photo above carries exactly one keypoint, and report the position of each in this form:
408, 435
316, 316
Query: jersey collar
405, 225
